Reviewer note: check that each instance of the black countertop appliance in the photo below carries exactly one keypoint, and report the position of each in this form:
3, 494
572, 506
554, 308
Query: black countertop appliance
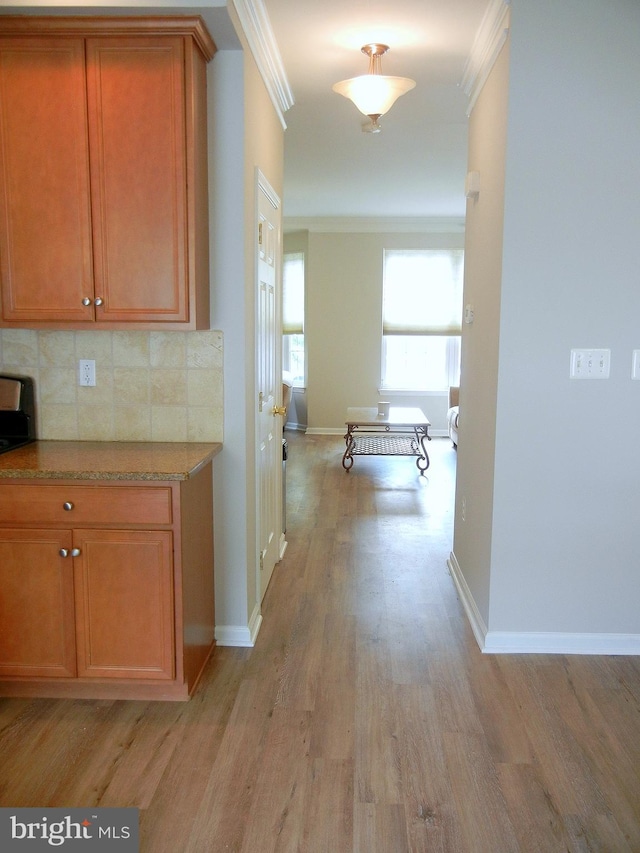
17, 411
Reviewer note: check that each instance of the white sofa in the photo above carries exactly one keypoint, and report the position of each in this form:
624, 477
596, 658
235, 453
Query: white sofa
453, 415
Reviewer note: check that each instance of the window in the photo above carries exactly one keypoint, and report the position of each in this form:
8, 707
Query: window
421, 319
293, 317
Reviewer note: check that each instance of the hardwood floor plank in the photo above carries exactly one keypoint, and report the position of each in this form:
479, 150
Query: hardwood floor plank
328, 821
536, 821
201, 726
278, 793
431, 819
482, 816
380, 828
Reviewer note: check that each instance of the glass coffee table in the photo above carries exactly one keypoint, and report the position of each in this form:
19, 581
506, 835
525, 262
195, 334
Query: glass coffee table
403, 432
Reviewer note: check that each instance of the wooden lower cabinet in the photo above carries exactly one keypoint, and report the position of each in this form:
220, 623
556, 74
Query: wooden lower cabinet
37, 621
124, 603
106, 611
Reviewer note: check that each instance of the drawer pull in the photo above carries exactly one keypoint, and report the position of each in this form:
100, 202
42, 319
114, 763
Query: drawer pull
63, 552
67, 505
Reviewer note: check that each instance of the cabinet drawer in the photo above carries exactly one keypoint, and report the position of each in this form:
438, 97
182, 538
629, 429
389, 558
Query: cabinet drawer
73, 505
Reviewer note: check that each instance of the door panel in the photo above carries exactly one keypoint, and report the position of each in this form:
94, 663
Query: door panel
269, 385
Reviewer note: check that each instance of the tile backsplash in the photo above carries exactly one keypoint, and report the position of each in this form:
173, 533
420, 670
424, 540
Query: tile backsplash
150, 386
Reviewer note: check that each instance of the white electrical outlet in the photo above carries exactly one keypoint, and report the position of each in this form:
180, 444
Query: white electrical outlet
87, 372
590, 363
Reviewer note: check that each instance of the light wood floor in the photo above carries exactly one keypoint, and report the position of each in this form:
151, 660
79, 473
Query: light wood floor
365, 719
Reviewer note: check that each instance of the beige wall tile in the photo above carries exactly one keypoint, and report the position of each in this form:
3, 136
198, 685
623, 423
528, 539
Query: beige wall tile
95, 423
132, 423
131, 385
169, 387
95, 345
20, 348
204, 349
56, 349
168, 423
57, 386
168, 349
203, 388
130, 349
59, 423
204, 424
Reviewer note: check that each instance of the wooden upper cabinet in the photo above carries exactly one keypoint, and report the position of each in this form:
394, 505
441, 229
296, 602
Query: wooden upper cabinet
103, 172
45, 213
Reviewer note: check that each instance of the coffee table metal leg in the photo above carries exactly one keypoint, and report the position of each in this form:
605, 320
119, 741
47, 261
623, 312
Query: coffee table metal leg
347, 459
423, 460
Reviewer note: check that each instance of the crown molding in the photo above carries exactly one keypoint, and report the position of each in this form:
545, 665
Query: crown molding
375, 224
491, 36
257, 29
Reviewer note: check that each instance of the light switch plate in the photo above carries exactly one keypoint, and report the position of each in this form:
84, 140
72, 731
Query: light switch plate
590, 363
635, 364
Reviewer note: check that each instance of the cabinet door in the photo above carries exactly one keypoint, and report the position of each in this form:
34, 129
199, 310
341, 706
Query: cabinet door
136, 109
45, 219
124, 603
37, 630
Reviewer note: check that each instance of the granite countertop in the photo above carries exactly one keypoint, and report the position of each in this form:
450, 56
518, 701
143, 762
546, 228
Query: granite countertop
107, 460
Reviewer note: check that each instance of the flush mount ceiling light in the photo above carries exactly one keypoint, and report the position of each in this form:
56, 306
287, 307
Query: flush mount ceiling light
373, 93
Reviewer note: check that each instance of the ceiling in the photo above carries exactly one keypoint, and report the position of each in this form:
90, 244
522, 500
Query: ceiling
416, 166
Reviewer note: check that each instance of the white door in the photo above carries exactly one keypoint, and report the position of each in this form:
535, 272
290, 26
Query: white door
269, 384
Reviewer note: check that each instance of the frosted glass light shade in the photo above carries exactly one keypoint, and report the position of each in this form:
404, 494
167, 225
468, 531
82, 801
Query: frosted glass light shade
374, 94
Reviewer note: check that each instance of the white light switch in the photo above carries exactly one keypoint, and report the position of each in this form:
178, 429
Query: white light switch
590, 363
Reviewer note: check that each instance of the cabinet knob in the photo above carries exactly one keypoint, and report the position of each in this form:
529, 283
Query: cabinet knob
67, 505
75, 552
86, 301
63, 552
98, 301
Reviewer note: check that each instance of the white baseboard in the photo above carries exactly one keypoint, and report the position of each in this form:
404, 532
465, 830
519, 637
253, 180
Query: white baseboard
283, 545
537, 642
474, 616
240, 635
559, 643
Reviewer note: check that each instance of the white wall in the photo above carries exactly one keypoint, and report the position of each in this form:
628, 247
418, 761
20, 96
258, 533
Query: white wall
246, 134
565, 519
480, 340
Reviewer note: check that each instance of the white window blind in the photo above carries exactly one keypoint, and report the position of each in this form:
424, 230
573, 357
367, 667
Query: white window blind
421, 322
293, 294
422, 292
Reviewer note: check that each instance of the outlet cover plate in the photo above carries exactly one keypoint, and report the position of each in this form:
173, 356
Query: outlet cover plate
87, 372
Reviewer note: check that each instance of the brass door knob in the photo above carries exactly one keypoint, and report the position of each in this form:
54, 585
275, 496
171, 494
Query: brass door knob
279, 410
